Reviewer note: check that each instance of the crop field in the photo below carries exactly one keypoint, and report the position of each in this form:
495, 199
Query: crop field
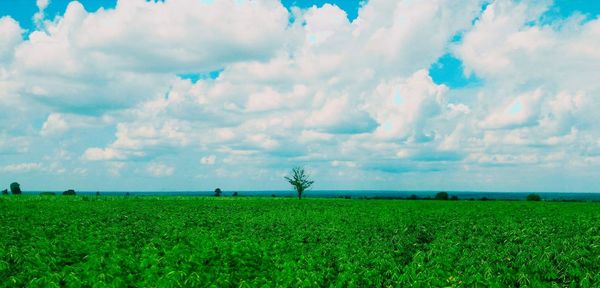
77, 241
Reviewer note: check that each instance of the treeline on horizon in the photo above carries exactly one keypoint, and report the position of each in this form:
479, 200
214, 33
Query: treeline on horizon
15, 189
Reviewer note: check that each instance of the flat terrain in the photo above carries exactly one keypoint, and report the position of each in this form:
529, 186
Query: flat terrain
250, 242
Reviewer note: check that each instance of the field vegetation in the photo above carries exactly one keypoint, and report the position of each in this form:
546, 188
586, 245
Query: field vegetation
81, 241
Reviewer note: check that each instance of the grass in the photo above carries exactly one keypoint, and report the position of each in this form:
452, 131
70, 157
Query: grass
248, 242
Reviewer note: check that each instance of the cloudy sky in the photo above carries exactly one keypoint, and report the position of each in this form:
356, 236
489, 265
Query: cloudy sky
382, 94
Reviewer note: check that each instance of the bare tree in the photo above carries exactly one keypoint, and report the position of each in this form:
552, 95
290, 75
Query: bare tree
299, 180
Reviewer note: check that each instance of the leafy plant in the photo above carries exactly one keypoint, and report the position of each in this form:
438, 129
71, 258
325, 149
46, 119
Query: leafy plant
279, 242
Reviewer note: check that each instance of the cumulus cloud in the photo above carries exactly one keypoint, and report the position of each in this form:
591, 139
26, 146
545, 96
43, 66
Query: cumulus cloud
10, 33
38, 17
309, 88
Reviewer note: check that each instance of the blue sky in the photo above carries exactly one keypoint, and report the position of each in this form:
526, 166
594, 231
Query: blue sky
191, 95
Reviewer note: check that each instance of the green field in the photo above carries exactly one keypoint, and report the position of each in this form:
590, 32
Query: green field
268, 242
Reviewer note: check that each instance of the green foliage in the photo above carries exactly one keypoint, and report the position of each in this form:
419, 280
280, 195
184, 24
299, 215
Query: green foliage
218, 192
277, 242
15, 188
300, 180
69, 192
441, 196
534, 197
4, 192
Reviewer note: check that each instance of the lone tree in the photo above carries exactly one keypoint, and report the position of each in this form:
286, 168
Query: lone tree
218, 192
299, 180
534, 197
441, 196
15, 188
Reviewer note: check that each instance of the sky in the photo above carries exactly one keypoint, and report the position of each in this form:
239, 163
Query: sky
470, 95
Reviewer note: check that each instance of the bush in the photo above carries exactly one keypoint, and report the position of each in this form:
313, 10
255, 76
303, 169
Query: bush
235, 194
69, 192
47, 194
4, 192
15, 188
218, 192
441, 196
534, 197
454, 198
413, 197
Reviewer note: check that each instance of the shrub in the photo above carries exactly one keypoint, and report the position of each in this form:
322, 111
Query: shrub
441, 196
47, 194
454, 198
534, 197
218, 192
4, 192
413, 197
69, 192
15, 188
235, 194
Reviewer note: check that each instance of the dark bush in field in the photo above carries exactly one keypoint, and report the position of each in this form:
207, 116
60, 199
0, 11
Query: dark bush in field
235, 194
4, 192
97, 193
15, 188
413, 197
69, 192
218, 192
441, 196
47, 194
454, 198
534, 197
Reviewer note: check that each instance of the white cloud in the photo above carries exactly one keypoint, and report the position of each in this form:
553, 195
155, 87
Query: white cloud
55, 124
10, 33
90, 54
160, 170
38, 17
354, 96
21, 167
98, 154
